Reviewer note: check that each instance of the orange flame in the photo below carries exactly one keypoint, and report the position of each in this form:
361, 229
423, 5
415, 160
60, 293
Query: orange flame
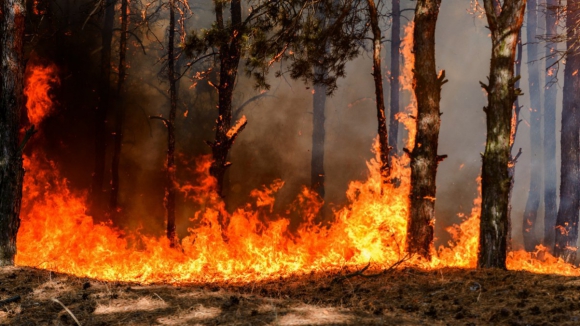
57, 234
407, 118
40, 79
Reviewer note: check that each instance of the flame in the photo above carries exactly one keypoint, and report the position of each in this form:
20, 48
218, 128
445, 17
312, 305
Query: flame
40, 79
56, 232
407, 118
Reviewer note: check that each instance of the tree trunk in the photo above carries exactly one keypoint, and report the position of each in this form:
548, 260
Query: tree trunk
504, 25
515, 127
229, 57
424, 158
377, 75
318, 135
395, 72
533, 203
550, 94
317, 174
103, 106
120, 112
171, 181
566, 233
12, 20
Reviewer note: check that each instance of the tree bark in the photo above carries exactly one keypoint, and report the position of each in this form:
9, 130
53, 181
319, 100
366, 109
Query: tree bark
550, 95
12, 22
566, 232
504, 25
103, 106
170, 185
384, 148
533, 202
395, 72
424, 159
515, 127
120, 112
229, 57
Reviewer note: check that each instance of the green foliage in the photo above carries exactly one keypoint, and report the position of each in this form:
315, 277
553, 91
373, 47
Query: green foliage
316, 37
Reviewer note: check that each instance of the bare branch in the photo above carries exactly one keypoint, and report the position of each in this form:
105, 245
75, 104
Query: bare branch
239, 110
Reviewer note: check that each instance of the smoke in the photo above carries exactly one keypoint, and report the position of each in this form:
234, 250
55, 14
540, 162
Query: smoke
276, 143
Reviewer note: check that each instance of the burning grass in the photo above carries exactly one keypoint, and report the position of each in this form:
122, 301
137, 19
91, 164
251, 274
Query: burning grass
405, 296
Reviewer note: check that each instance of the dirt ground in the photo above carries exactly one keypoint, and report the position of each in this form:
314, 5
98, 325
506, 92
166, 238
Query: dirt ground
399, 297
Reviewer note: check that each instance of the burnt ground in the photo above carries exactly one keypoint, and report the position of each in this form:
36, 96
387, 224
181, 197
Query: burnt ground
399, 297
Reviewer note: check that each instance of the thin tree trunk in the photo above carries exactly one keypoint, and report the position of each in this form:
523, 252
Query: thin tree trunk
505, 25
171, 181
550, 95
317, 174
515, 127
395, 72
377, 75
120, 112
103, 106
12, 20
566, 233
533, 203
424, 158
229, 57
318, 135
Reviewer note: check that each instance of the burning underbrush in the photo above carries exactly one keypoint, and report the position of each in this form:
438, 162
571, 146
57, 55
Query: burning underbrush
248, 245
57, 234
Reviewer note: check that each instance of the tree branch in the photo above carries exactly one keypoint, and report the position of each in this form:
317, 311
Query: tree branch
158, 117
27, 135
239, 110
361, 272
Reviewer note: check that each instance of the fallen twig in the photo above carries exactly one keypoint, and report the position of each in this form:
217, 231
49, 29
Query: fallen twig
160, 298
10, 300
361, 272
357, 273
67, 310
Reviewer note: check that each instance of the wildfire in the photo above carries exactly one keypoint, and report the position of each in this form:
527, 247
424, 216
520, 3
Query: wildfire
40, 79
56, 232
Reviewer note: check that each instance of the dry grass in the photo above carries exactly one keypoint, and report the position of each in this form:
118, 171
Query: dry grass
400, 297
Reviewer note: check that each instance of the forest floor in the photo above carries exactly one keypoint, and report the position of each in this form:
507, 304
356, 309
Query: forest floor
399, 297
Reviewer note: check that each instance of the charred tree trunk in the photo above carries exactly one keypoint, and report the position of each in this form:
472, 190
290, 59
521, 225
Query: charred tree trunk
318, 135
229, 57
533, 203
103, 106
424, 159
550, 94
170, 185
566, 233
384, 148
505, 25
120, 112
12, 20
395, 72
515, 127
